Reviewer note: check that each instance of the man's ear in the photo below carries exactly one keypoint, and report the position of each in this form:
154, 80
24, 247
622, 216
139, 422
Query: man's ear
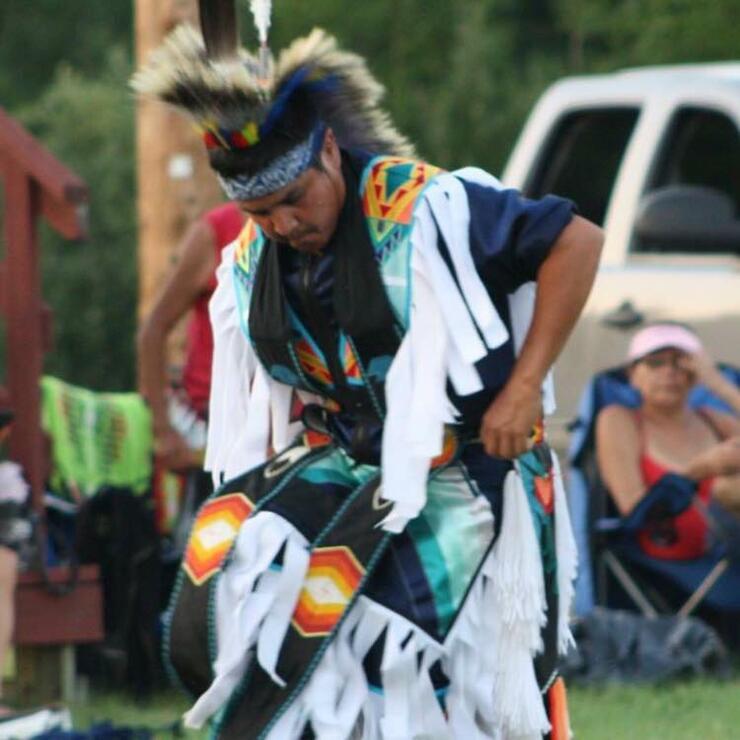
330, 155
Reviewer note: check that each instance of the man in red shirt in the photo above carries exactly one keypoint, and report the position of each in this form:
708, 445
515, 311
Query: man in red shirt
189, 286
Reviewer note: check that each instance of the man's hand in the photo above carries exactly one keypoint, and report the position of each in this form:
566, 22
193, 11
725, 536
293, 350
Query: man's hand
508, 422
564, 280
173, 452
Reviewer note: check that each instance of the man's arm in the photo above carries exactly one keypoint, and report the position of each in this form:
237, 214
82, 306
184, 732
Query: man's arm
564, 281
189, 278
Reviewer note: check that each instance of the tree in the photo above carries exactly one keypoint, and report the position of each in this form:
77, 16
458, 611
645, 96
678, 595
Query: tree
88, 123
501, 58
36, 36
461, 76
611, 34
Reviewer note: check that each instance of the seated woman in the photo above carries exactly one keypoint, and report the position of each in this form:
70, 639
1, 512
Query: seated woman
689, 452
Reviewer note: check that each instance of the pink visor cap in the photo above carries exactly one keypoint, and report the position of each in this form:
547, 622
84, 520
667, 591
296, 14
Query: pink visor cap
662, 336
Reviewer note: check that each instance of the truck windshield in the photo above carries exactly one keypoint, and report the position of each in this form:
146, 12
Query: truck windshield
581, 158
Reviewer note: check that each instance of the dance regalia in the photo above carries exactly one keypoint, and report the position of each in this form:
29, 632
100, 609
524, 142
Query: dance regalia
378, 576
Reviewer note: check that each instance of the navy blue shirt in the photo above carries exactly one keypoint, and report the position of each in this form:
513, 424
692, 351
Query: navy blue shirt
510, 237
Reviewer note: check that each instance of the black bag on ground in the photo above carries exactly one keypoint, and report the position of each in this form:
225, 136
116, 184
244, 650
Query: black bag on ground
116, 530
624, 647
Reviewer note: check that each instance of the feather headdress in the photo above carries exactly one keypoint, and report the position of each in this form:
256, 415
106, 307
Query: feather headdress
253, 109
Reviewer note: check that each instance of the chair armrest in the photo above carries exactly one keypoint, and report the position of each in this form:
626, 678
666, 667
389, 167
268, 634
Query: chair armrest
668, 496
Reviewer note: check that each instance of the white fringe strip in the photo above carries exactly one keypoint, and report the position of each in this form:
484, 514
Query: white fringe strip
521, 303
567, 557
417, 405
447, 199
494, 691
517, 569
246, 405
254, 606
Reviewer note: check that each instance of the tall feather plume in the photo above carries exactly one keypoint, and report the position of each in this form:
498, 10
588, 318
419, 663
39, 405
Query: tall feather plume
262, 11
220, 28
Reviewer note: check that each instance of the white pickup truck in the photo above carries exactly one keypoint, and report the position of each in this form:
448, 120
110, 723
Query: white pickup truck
653, 156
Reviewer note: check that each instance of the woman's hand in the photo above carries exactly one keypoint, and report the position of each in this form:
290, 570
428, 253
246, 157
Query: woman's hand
706, 372
704, 369
722, 459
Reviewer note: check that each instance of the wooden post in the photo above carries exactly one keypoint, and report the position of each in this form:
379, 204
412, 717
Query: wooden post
24, 327
175, 183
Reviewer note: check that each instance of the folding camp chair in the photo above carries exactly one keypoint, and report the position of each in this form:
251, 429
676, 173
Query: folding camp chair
613, 571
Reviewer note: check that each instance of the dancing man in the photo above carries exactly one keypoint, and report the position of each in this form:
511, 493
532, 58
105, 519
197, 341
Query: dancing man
396, 560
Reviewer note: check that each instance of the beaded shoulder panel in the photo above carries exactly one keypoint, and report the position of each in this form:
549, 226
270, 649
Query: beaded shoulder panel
391, 189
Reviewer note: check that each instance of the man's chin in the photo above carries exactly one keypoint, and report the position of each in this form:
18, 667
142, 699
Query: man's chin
309, 244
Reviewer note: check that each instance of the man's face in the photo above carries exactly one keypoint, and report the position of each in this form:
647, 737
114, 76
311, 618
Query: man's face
304, 213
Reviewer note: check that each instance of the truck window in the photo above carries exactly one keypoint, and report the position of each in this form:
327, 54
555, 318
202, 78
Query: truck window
581, 159
701, 150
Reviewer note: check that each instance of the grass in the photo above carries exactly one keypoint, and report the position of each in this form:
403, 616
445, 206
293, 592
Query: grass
159, 712
684, 711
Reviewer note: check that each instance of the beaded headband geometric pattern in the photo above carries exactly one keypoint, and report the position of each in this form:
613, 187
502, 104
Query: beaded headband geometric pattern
281, 171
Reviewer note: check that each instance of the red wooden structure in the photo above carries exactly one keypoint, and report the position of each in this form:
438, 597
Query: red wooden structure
36, 185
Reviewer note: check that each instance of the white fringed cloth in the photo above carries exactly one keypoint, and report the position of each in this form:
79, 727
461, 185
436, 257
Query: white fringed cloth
488, 654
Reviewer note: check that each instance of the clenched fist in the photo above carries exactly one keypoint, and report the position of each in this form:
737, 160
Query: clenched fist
508, 422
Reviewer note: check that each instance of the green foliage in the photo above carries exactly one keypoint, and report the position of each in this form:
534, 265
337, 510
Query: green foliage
87, 122
608, 34
461, 76
36, 35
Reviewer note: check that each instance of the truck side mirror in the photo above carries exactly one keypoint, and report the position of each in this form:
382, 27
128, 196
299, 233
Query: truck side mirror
687, 218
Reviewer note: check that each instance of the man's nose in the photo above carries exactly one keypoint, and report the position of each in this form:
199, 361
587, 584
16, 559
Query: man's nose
283, 223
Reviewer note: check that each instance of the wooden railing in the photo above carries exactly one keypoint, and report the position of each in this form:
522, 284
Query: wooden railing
36, 185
